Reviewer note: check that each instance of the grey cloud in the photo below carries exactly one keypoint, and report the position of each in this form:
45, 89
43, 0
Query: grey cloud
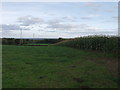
91, 16
95, 32
115, 17
61, 20
110, 10
10, 27
29, 20
86, 18
13, 27
61, 26
52, 14
55, 21
69, 27
84, 26
79, 29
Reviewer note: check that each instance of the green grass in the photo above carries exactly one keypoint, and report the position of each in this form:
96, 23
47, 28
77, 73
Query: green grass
37, 44
54, 67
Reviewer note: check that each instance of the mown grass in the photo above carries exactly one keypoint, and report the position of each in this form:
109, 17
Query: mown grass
36, 44
54, 67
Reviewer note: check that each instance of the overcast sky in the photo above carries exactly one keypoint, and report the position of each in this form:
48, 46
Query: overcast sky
57, 19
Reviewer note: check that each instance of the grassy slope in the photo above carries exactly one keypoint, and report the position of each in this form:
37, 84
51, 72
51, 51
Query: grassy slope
37, 44
54, 67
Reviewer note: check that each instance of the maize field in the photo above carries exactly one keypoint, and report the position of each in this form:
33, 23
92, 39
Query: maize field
96, 43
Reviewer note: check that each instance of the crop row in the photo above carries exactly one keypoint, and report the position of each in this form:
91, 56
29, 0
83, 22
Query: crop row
96, 43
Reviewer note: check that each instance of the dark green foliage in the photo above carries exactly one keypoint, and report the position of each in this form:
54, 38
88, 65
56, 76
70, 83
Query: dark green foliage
48, 41
13, 41
96, 43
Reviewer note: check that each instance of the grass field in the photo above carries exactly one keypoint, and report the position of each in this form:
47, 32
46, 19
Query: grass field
37, 44
57, 67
